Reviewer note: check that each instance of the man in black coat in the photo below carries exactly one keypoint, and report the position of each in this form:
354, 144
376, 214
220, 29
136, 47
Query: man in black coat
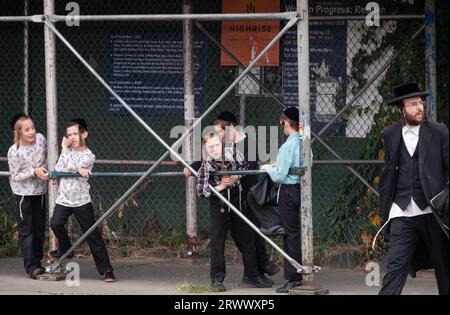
416, 170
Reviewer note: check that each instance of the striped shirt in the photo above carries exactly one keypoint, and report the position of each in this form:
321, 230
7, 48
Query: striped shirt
234, 160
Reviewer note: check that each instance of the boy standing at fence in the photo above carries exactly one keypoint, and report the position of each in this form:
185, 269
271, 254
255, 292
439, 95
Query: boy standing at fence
74, 198
27, 161
289, 194
226, 125
222, 218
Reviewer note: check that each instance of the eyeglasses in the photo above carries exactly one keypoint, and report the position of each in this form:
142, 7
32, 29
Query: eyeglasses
415, 104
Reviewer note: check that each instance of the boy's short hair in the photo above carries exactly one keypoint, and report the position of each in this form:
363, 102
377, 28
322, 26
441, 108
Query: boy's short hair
82, 125
228, 117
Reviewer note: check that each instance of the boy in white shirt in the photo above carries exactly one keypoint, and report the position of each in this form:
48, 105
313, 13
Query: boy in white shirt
74, 198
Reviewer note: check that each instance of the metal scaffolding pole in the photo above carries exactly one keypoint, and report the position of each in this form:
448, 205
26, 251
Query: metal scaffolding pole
171, 150
56, 175
51, 111
179, 17
364, 17
30, 18
189, 117
203, 17
305, 154
430, 56
26, 105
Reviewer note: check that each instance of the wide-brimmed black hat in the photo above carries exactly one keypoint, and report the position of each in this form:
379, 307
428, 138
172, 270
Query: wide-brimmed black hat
404, 91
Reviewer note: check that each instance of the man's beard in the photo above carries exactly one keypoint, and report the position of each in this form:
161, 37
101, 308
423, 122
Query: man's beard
412, 120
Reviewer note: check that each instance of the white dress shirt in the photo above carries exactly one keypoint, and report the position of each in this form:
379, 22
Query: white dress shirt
411, 139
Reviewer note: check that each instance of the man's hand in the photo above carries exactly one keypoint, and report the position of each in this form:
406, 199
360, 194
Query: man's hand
84, 172
265, 167
229, 181
187, 172
41, 173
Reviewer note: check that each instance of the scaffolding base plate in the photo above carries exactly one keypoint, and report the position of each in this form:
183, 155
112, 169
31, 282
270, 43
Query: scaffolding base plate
58, 276
308, 290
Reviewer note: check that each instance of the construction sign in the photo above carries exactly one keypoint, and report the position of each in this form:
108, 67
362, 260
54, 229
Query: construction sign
246, 39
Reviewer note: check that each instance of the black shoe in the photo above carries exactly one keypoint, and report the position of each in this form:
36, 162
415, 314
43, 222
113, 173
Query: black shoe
288, 285
36, 272
267, 280
257, 281
269, 268
55, 254
109, 276
274, 230
218, 286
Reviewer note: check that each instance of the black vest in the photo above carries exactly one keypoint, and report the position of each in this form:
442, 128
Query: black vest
408, 179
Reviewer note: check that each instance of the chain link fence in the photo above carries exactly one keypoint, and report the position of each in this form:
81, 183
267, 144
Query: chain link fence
344, 55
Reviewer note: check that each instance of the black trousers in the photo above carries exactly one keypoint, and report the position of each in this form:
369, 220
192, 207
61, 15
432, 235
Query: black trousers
30, 218
85, 218
262, 258
404, 235
289, 203
223, 219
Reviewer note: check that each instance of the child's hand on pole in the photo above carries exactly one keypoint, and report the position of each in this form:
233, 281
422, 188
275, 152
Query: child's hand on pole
41, 173
265, 167
229, 180
84, 172
220, 187
187, 172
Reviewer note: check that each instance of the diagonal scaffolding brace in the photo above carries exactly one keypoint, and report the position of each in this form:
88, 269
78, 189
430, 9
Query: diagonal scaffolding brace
172, 150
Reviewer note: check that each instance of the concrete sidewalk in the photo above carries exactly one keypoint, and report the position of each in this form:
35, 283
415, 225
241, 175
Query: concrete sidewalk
164, 276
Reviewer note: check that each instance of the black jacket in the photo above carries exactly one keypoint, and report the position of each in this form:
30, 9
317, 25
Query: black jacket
433, 168
433, 162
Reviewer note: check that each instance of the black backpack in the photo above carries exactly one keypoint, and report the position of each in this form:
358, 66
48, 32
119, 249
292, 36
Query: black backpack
439, 205
266, 192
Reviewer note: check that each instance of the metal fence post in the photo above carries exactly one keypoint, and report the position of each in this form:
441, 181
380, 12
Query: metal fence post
303, 100
26, 108
430, 55
51, 110
242, 110
305, 119
189, 116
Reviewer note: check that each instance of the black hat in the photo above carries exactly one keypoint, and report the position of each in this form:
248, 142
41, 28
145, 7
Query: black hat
292, 113
80, 122
228, 117
16, 118
404, 91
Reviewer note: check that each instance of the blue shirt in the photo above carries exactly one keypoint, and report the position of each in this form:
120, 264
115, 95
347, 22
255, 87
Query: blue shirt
288, 157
